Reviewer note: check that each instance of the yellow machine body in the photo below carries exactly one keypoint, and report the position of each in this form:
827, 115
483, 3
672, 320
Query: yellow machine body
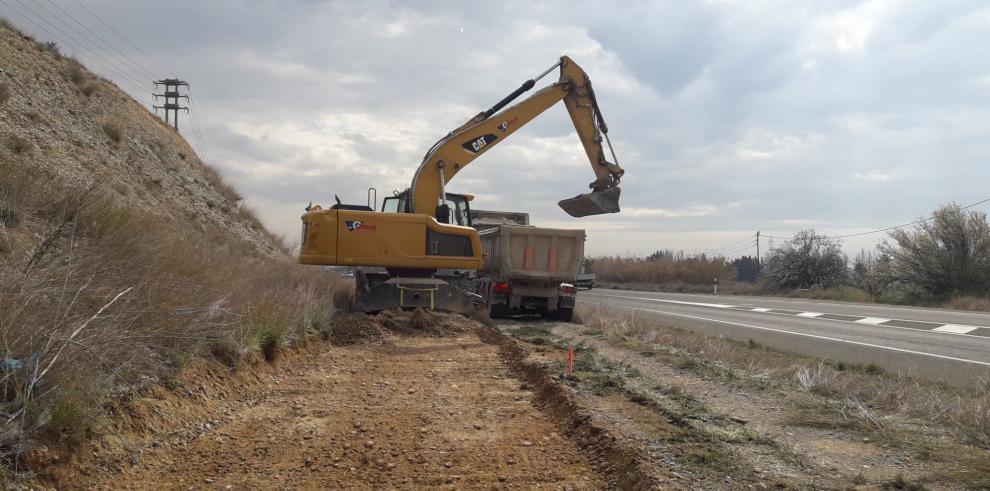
341, 237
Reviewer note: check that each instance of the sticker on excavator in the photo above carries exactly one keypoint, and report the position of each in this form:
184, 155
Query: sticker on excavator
593, 203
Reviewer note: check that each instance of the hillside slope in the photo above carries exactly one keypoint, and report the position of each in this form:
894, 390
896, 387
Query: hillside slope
123, 258
72, 126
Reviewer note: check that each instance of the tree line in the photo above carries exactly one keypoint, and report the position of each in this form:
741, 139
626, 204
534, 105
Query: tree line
945, 255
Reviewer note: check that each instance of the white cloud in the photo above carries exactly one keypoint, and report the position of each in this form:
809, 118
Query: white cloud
725, 114
849, 30
875, 176
690, 211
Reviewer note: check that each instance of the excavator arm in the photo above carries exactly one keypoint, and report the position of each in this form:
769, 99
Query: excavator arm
465, 144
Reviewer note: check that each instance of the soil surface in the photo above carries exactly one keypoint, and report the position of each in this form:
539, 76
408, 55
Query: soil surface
771, 435
402, 411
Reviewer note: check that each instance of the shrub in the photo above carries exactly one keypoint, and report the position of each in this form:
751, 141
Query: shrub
75, 73
113, 130
946, 255
19, 145
806, 261
50, 47
661, 268
270, 343
8, 217
89, 87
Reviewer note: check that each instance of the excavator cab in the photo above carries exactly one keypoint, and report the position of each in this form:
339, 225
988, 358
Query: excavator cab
454, 211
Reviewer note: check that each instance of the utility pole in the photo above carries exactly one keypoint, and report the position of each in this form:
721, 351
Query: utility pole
172, 97
757, 253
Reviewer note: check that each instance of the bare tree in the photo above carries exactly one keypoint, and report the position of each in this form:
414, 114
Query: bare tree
873, 272
947, 255
806, 261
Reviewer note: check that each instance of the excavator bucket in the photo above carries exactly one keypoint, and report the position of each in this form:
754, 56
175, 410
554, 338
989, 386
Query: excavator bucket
593, 203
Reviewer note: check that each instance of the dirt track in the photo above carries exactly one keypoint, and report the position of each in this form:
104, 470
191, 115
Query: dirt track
409, 412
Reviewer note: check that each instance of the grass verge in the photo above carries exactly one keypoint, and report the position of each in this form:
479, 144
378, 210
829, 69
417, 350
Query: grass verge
945, 424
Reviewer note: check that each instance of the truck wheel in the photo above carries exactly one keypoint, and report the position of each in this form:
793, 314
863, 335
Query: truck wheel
565, 315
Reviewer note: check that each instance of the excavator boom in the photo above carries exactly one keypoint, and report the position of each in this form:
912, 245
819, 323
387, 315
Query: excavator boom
465, 144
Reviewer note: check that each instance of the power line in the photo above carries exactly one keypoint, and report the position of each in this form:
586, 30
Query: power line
197, 128
732, 245
737, 249
122, 66
888, 228
197, 134
121, 36
125, 70
130, 60
99, 60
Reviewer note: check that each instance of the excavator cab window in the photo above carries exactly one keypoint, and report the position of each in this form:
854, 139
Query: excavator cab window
395, 204
460, 212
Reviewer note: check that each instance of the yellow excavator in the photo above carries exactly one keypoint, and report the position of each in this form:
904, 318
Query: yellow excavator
420, 250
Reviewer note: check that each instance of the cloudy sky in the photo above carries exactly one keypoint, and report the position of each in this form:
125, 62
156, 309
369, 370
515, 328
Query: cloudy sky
728, 116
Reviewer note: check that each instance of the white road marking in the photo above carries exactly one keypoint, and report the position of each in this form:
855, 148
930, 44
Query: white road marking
873, 321
810, 314
680, 302
815, 336
956, 328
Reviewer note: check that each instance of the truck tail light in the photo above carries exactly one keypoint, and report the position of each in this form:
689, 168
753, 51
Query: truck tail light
569, 289
501, 287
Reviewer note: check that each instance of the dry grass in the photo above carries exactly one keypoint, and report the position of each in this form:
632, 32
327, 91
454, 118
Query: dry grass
19, 145
892, 408
113, 130
966, 412
97, 300
89, 87
662, 271
217, 181
969, 302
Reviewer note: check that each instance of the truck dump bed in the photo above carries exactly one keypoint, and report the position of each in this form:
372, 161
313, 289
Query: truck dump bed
528, 252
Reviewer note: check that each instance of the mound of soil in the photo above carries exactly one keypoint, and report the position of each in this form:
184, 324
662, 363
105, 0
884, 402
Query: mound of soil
356, 328
425, 323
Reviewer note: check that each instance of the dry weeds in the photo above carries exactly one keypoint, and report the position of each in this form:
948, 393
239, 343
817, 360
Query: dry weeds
98, 300
863, 391
663, 271
113, 130
936, 422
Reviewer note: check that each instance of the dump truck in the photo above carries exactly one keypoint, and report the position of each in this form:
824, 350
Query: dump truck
531, 269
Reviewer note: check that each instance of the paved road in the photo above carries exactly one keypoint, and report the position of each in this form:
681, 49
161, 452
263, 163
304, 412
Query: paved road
950, 346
